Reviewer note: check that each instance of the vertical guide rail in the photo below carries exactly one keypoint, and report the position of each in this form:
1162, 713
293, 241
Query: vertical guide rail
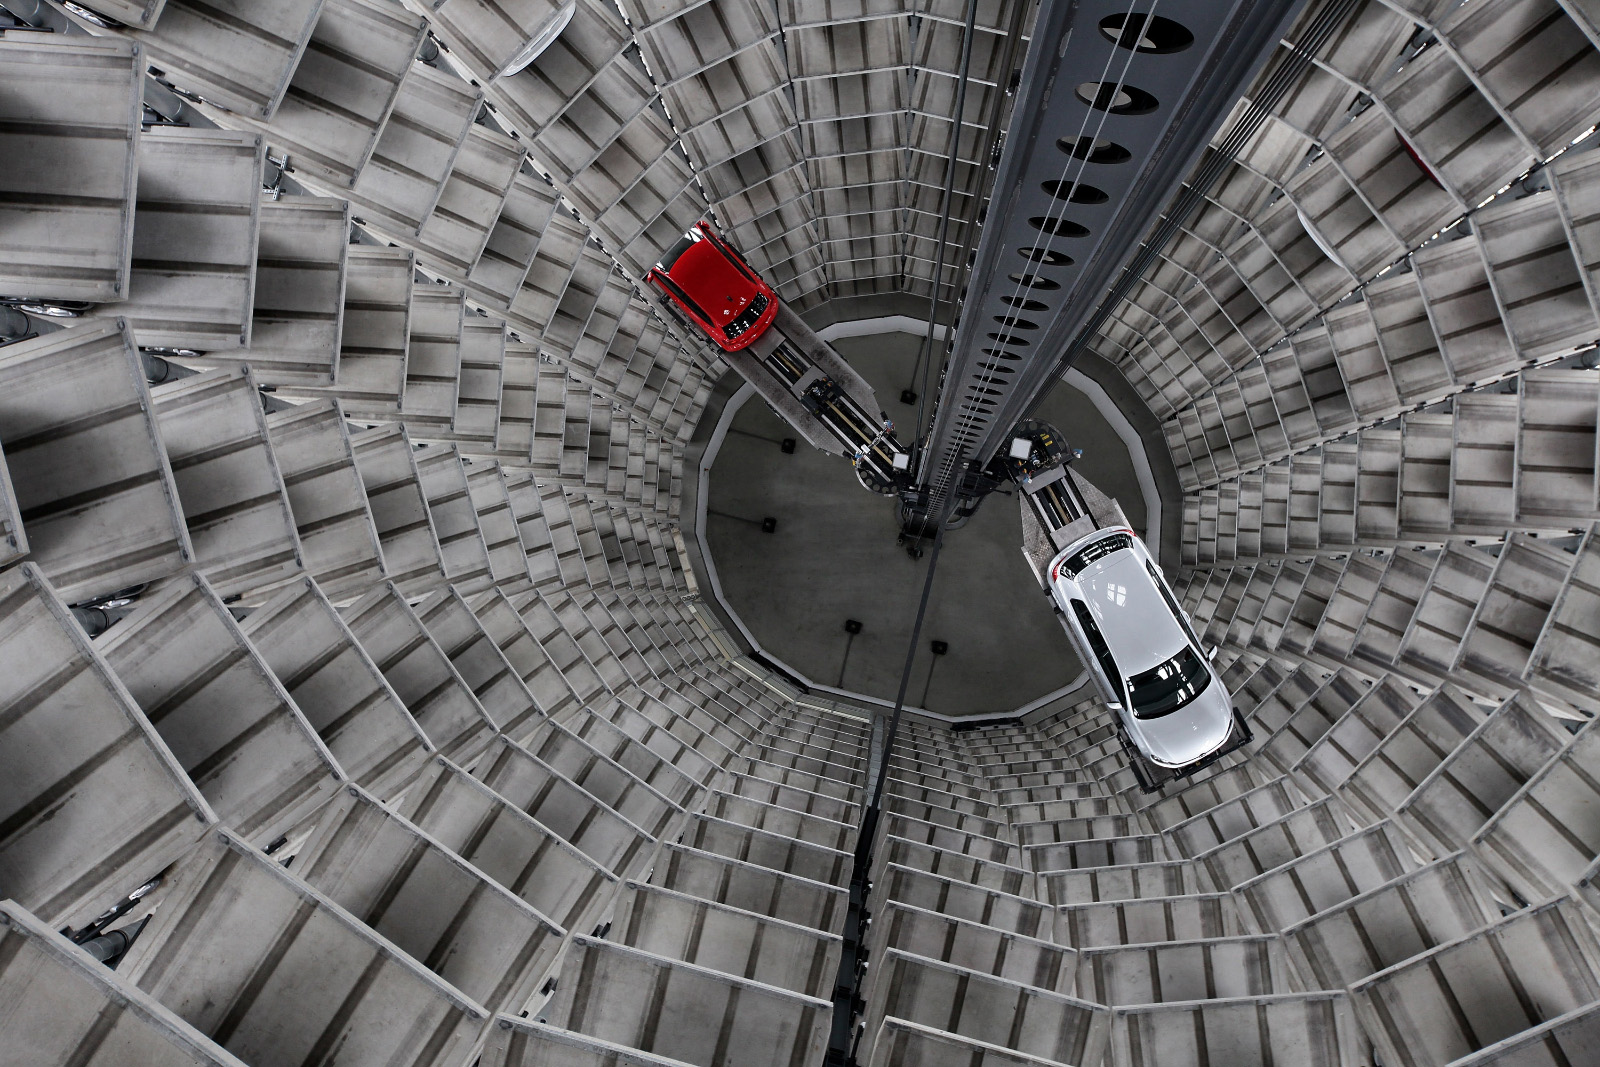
925, 353
1017, 34
1002, 362
841, 1045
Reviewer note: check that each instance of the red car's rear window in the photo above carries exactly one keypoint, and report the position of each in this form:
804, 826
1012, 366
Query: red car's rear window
671, 255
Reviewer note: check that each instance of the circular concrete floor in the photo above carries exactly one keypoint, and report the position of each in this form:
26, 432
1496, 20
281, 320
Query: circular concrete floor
833, 557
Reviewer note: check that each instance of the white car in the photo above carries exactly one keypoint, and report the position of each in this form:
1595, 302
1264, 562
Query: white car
1145, 658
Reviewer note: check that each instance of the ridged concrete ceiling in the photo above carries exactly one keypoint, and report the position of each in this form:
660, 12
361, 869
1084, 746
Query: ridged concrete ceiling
819, 132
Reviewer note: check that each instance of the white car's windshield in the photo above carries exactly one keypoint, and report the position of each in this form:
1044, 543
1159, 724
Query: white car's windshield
1168, 686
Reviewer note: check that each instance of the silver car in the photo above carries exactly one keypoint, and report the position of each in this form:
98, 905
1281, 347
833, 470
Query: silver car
1141, 651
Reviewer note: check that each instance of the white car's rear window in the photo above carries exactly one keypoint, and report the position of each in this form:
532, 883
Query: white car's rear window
1093, 551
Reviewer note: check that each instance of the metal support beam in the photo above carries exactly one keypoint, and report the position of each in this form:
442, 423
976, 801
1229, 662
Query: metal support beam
1078, 187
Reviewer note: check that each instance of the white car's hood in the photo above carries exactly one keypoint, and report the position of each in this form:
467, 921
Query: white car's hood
1192, 732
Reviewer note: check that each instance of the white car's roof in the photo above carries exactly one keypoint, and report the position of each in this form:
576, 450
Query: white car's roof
1138, 625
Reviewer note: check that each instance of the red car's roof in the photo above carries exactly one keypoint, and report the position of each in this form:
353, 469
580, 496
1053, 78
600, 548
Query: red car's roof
711, 280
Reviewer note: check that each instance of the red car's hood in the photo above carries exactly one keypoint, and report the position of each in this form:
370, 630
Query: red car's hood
710, 280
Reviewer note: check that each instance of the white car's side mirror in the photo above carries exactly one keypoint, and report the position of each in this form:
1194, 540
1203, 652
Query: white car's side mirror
1113, 705
1211, 653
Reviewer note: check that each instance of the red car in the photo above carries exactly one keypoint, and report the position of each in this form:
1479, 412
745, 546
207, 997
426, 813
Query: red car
715, 288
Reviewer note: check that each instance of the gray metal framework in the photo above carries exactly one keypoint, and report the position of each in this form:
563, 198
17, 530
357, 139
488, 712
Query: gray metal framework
1062, 222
